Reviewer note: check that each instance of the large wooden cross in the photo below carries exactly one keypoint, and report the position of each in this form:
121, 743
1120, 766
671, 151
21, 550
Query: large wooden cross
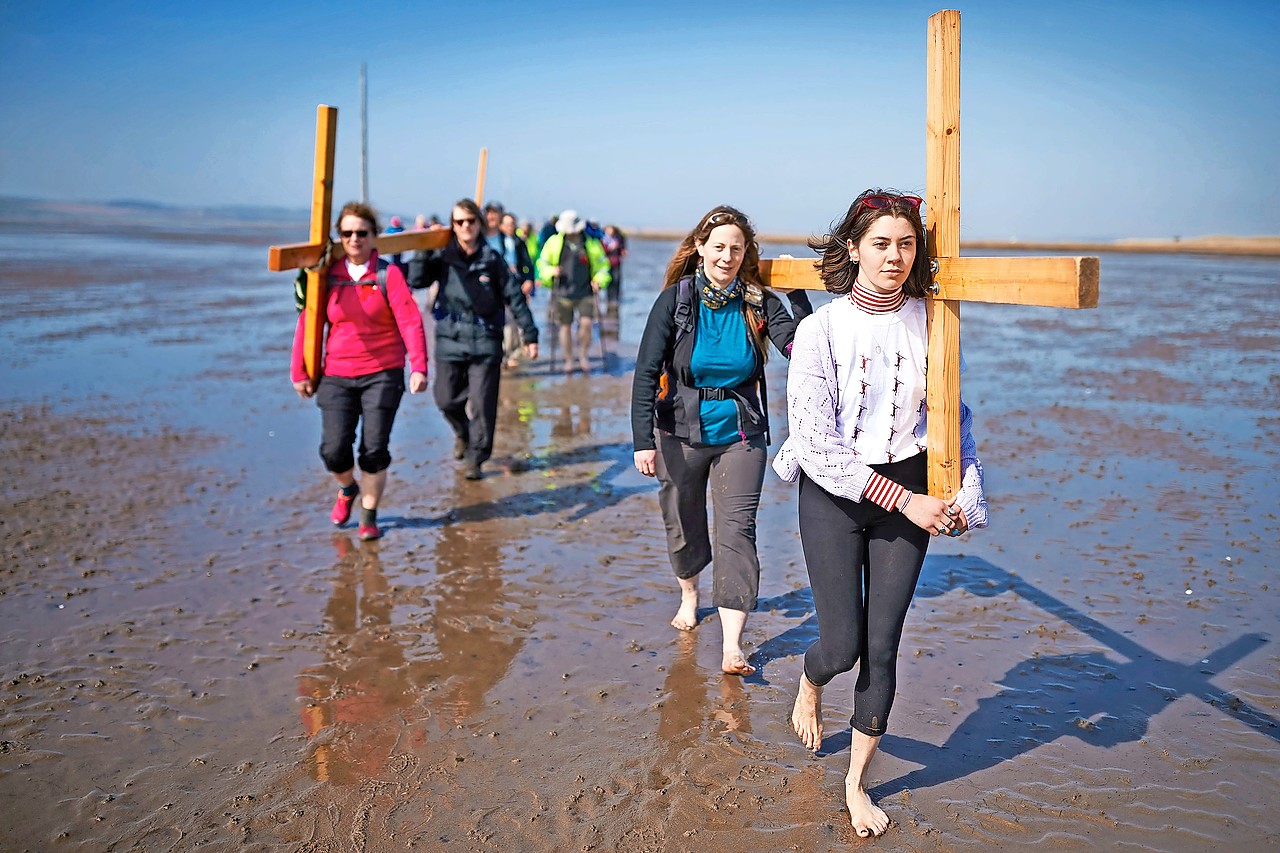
1055, 282
308, 254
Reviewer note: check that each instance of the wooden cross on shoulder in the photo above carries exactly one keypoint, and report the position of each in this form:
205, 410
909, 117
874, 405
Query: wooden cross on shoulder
307, 255
1063, 282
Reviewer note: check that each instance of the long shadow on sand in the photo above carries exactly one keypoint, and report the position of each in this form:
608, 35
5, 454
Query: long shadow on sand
584, 497
1093, 696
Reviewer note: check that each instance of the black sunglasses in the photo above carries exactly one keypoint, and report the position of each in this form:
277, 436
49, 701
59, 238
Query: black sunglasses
347, 235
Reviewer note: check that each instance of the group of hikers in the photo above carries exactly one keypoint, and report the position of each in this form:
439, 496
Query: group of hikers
699, 414
574, 258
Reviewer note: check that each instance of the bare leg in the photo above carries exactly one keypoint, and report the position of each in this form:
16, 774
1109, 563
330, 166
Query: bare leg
584, 343
346, 478
371, 490
806, 713
734, 661
867, 818
686, 618
566, 345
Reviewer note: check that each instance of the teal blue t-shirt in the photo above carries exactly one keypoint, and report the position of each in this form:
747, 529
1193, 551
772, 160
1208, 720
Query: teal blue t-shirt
723, 357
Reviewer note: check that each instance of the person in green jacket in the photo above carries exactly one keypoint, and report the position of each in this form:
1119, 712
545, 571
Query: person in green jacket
526, 232
575, 267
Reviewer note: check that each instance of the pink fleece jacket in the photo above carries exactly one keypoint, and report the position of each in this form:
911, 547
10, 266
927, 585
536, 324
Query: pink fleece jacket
363, 336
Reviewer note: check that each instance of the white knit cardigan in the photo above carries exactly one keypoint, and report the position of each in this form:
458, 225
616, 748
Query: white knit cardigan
819, 440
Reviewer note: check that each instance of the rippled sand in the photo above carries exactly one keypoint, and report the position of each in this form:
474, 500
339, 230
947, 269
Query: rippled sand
193, 659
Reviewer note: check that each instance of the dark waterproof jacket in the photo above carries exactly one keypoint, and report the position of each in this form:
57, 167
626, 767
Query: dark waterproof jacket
677, 409
471, 302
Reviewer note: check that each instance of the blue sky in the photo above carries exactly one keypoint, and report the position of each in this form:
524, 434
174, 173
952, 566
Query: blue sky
1079, 120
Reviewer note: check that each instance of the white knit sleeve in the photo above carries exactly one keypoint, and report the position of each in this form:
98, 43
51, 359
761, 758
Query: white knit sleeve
814, 443
971, 497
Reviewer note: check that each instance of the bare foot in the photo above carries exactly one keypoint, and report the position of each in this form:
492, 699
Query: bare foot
735, 663
806, 714
686, 618
867, 818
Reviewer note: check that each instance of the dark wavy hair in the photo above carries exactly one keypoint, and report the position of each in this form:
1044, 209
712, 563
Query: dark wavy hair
838, 271
360, 209
685, 261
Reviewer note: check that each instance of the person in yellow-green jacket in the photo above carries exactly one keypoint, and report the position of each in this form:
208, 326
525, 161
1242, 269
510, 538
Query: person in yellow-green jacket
575, 267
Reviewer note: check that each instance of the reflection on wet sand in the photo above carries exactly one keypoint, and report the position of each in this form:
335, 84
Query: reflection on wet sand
688, 715
364, 680
567, 426
475, 624
380, 681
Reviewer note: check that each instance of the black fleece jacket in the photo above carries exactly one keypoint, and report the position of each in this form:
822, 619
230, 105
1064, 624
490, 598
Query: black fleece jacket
657, 349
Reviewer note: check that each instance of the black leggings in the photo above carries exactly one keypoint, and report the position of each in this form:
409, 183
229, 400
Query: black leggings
863, 564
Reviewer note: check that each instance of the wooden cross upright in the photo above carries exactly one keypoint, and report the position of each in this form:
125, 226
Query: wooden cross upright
308, 254
1054, 282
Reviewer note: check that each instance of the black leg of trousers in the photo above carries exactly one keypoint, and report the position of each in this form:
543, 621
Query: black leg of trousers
379, 401
834, 547
863, 564
483, 376
450, 392
339, 417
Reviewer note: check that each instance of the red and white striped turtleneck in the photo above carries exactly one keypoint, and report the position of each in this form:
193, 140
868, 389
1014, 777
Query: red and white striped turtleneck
873, 302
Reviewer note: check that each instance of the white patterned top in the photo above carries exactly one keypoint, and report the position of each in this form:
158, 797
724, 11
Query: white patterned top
855, 397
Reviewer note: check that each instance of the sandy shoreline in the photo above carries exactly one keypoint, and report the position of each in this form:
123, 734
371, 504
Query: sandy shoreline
1246, 247
193, 659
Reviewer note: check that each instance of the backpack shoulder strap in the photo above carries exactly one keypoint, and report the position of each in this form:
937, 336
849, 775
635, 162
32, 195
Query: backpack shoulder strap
383, 266
683, 314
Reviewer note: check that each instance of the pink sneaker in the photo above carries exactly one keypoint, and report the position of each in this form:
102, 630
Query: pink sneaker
369, 531
342, 507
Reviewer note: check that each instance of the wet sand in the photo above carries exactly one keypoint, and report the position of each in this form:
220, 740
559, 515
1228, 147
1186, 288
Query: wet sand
194, 659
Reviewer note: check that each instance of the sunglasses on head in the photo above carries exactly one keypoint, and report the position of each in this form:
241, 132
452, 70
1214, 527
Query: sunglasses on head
347, 235
880, 202
466, 220
721, 218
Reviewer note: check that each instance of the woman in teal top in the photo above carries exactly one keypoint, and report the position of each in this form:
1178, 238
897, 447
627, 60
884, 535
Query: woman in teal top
723, 357
700, 381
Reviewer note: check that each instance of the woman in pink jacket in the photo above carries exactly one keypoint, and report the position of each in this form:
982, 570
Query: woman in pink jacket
372, 323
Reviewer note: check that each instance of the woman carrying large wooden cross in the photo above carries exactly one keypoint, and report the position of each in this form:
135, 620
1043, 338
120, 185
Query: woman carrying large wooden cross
856, 410
372, 325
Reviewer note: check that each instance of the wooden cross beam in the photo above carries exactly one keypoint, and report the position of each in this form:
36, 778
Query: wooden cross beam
1054, 282
480, 170
296, 255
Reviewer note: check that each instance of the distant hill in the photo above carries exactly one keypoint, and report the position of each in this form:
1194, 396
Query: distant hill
152, 213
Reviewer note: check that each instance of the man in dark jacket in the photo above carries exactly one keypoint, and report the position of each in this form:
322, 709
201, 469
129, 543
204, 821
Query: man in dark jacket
474, 286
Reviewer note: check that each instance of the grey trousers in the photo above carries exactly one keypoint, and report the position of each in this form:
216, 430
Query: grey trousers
735, 473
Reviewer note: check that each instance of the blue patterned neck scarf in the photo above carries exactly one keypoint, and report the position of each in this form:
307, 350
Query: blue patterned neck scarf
712, 296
